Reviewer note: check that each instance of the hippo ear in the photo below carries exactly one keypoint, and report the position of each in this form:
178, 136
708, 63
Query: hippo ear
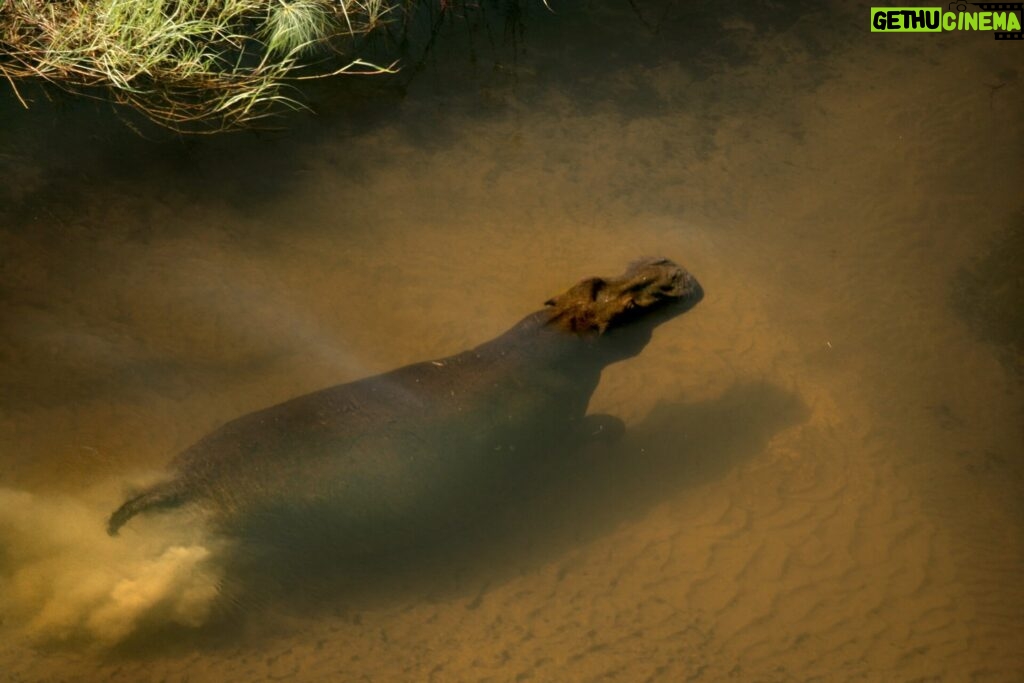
576, 309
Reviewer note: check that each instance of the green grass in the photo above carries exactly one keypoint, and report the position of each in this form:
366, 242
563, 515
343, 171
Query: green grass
296, 25
190, 65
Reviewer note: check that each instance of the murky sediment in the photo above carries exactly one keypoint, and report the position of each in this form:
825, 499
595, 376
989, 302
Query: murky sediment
822, 474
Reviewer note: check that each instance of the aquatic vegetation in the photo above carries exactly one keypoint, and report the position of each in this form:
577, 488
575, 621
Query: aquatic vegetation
186, 64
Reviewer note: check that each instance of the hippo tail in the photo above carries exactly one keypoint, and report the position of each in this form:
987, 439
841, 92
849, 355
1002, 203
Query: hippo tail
169, 494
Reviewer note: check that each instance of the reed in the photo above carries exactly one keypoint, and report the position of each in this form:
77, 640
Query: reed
189, 65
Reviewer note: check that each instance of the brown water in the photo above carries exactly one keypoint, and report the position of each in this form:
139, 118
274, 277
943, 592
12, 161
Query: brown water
823, 472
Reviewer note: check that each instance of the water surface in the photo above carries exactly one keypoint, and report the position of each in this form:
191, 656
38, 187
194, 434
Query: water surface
823, 472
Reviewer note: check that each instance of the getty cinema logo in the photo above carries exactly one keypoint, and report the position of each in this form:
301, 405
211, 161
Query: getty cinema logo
999, 17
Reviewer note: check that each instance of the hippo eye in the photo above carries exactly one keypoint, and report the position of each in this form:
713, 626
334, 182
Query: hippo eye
638, 286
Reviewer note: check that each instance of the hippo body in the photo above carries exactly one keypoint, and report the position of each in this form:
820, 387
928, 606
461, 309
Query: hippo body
400, 453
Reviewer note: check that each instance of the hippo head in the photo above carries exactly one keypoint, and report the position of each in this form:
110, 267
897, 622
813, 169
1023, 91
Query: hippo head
623, 311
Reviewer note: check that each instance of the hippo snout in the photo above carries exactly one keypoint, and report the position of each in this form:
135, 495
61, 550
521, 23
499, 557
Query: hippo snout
650, 281
689, 289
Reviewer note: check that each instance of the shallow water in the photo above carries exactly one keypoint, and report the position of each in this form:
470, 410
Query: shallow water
823, 471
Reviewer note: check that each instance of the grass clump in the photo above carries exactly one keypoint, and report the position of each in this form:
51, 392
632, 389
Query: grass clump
295, 25
190, 65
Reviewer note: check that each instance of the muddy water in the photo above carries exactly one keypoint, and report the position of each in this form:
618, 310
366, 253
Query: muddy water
823, 470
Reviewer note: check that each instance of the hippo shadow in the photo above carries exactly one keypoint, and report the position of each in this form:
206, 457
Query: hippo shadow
536, 518
679, 446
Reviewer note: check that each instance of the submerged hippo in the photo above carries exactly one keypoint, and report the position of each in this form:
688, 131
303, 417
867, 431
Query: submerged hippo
407, 448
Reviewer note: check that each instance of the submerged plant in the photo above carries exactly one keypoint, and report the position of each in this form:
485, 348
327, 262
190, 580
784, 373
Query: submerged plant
186, 64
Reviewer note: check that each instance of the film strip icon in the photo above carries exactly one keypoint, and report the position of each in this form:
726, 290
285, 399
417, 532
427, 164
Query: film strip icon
1003, 7
996, 7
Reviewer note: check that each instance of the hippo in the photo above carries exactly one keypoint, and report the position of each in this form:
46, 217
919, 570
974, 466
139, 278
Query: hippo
396, 454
